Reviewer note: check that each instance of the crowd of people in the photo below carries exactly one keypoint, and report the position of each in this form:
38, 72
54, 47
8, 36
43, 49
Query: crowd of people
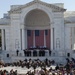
60, 69
5, 72
31, 63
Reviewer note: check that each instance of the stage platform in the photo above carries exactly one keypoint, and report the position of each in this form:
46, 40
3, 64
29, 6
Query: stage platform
11, 56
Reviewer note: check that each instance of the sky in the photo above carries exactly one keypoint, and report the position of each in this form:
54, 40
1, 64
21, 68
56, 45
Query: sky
5, 4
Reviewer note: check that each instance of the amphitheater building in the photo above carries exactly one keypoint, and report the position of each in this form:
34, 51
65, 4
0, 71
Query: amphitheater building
38, 24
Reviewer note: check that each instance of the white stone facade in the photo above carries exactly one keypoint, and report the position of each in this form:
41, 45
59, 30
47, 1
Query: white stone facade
62, 24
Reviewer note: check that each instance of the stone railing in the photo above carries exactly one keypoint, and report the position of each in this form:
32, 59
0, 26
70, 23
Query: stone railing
32, 53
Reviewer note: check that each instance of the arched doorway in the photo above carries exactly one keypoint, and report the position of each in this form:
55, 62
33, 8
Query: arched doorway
37, 23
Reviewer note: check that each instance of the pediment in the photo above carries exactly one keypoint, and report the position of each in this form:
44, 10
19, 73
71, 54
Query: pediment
53, 7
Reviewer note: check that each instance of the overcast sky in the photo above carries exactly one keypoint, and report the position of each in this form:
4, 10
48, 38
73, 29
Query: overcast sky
5, 4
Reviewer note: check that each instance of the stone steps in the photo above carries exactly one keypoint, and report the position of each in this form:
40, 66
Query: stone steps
13, 57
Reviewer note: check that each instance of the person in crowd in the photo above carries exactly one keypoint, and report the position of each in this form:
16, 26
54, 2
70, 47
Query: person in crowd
25, 52
43, 52
15, 72
12, 72
57, 67
29, 52
34, 53
50, 52
40, 52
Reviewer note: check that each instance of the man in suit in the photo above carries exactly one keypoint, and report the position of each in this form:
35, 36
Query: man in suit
34, 53
17, 52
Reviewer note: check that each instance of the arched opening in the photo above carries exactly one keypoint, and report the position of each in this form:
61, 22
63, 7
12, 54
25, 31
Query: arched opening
36, 18
37, 23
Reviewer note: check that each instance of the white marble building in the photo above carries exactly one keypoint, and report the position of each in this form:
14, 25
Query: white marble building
38, 15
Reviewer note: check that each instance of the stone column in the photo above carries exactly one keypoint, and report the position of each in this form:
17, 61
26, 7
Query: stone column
25, 36
2, 32
51, 38
44, 39
24, 39
73, 38
34, 38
